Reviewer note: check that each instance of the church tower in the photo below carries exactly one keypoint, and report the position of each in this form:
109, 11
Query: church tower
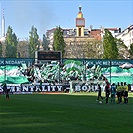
80, 23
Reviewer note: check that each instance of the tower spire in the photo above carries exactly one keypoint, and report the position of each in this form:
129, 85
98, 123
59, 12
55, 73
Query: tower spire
80, 7
80, 23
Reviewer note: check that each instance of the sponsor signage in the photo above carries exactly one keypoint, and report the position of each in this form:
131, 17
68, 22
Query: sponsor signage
15, 61
86, 86
106, 63
35, 88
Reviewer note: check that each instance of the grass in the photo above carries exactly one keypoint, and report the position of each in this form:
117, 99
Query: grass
50, 113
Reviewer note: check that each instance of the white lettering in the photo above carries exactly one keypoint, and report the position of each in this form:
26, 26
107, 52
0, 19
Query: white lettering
59, 88
99, 63
84, 88
48, 88
12, 88
2, 62
18, 88
53, 88
25, 88
31, 87
44, 88
78, 88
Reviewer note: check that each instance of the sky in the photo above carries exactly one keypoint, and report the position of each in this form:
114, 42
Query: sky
44, 15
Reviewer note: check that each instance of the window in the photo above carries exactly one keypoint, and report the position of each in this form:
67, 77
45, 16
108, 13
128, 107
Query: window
79, 31
115, 31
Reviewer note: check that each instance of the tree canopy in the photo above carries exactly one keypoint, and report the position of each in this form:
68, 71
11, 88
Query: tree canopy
23, 47
109, 46
59, 44
122, 49
34, 43
45, 43
94, 49
0, 49
131, 50
11, 43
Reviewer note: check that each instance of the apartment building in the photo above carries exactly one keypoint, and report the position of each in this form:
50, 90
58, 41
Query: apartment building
126, 36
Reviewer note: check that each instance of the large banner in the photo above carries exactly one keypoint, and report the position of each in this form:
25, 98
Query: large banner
45, 87
25, 71
86, 86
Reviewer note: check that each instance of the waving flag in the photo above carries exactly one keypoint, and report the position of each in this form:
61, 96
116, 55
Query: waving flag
127, 65
73, 65
12, 75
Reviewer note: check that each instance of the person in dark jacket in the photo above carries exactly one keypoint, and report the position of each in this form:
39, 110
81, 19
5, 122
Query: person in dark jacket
6, 91
107, 91
99, 93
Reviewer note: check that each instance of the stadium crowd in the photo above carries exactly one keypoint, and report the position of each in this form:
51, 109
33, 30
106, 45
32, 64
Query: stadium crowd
55, 73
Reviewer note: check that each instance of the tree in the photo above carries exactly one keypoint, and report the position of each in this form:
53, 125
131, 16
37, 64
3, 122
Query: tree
0, 49
109, 46
45, 43
34, 43
11, 43
122, 49
59, 44
23, 48
131, 50
94, 49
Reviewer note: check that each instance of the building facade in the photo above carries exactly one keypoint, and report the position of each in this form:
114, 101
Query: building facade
76, 38
126, 36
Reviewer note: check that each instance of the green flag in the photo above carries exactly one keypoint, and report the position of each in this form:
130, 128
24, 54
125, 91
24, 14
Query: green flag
73, 65
12, 75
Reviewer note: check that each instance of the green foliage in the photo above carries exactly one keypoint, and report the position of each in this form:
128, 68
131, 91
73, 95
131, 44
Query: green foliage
122, 49
131, 50
94, 49
22, 48
3, 49
34, 43
110, 46
59, 44
45, 43
0, 49
11, 43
